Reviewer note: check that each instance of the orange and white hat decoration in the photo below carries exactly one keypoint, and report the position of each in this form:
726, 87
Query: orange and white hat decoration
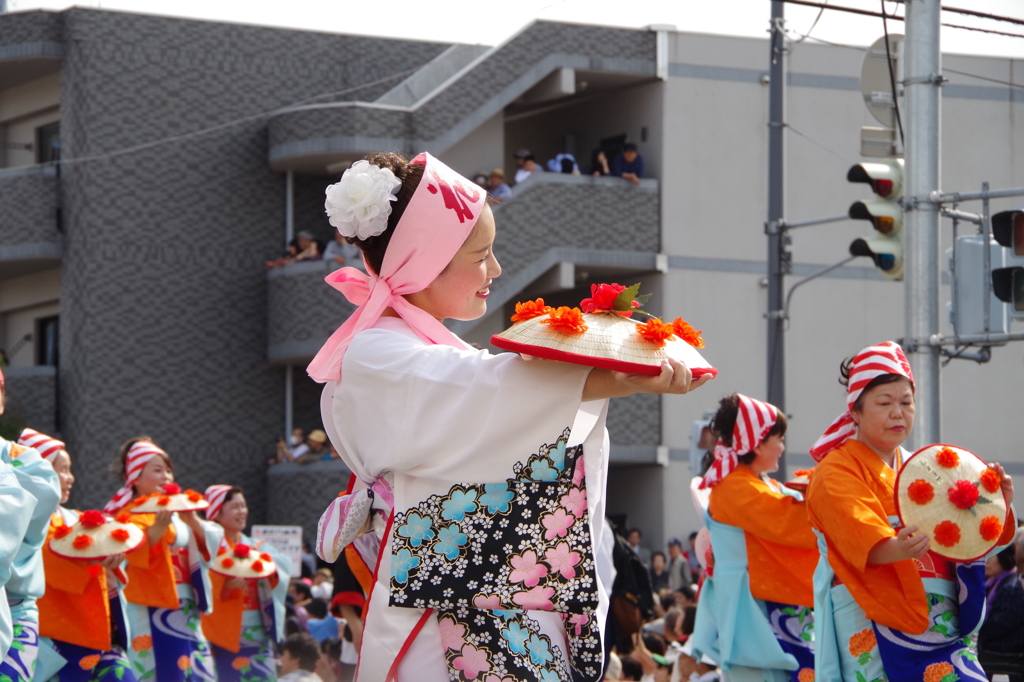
867, 365
243, 561
47, 447
754, 419
95, 536
170, 498
215, 495
138, 456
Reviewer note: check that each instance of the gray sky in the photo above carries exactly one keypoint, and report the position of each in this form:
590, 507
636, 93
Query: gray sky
475, 21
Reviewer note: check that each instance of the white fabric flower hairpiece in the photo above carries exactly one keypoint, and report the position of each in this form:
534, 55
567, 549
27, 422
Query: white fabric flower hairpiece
359, 204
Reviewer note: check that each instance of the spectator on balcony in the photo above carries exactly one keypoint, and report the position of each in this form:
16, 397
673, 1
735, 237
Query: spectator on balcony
343, 253
527, 165
564, 163
499, 190
599, 163
286, 450
316, 448
303, 247
629, 165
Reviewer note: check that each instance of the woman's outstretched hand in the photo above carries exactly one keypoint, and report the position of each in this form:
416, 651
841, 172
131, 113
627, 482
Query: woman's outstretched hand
908, 544
675, 377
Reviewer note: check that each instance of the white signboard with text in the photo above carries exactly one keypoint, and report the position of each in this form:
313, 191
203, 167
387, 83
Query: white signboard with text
285, 539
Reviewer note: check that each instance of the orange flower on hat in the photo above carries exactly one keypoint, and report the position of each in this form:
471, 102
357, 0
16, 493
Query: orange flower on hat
963, 494
920, 491
257, 566
655, 331
947, 533
947, 457
123, 517
566, 320
990, 480
184, 663
62, 532
142, 643
265, 557
806, 675
222, 551
687, 333
163, 501
92, 519
804, 472
82, 541
991, 528
227, 562
89, 662
936, 672
862, 642
120, 534
240, 662
527, 310
193, 496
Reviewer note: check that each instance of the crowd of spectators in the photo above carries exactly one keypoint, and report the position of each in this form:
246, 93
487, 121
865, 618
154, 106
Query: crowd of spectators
302, 449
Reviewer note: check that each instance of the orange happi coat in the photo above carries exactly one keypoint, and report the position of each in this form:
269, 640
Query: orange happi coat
782, 550
223, 626
75, 607
150, 571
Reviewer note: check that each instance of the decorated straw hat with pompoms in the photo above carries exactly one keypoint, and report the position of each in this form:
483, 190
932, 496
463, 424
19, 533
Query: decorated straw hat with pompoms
602, 332
95, 536
171, 498
955, 497
243, 561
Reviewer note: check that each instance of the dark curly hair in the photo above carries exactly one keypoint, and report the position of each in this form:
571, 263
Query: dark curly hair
724, 421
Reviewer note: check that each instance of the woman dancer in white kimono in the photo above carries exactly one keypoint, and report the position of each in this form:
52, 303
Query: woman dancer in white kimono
478, 467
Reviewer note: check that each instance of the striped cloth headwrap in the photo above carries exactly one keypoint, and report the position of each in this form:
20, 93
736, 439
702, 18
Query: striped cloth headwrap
867, 365
138, 455
215, 495
46, 447
754, 419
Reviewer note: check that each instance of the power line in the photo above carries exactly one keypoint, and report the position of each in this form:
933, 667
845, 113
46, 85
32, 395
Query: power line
878, 15
807, 35
984, 15
983, 78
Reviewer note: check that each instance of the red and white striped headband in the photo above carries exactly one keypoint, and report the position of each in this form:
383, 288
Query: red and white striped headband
138, 455
46, 447
215, 495
754, 419
867, 365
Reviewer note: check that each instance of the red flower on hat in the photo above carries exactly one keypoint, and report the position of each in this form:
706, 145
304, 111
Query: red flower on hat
227, 562
257, 566
566, 320
687, 333
82, 541
947, 533
602, 298
527, 310
655, 331
171, 489
265, 557
222, 551
991, 480
991, 528
920, 491
963, 494
92, 519
62, 532
242, 551
947, 458
163, 501
120, 534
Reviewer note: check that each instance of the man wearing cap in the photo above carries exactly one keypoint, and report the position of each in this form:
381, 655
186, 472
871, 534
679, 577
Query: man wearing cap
316, 448
527, 165
629, 165
500, 192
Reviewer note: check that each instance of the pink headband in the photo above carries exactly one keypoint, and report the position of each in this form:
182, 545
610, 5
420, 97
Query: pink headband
215, 495
46, 447
138, 455
754, 419
435, 224
870, 363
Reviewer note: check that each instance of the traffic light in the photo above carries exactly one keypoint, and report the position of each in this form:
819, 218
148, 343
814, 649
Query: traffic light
1008, 282
967, 266
885, 214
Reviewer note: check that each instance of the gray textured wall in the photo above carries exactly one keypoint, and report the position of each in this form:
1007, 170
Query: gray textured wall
32, 398
28, 209
164, 294
303, 310
298, 494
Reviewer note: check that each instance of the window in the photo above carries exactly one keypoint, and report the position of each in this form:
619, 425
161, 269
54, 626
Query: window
48, 341
48, 143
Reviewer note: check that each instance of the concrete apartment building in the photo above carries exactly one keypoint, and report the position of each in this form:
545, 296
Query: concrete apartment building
133, 296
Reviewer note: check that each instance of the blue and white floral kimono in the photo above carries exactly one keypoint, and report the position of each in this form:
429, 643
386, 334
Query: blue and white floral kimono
27, 581
487, 563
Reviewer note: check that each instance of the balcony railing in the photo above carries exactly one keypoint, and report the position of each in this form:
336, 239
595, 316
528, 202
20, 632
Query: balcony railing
28, 215
303, 310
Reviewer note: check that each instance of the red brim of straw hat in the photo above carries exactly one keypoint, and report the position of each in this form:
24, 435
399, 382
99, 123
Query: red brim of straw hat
110, 538
952, 495
610, 342
179, 502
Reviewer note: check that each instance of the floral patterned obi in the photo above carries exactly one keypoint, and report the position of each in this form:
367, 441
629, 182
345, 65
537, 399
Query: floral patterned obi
179, 562
485, 556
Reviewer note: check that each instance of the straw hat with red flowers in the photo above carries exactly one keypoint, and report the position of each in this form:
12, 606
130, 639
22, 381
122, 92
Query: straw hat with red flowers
95, 536
243, 561
172, 498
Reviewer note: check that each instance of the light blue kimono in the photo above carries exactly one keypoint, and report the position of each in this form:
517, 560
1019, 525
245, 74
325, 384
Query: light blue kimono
733, 627
17, 507
27, 581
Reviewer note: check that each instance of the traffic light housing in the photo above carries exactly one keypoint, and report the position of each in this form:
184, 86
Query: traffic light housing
884, 213
1008, 282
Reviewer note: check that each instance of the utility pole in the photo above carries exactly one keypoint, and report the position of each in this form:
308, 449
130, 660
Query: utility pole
778, 254
921, 228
